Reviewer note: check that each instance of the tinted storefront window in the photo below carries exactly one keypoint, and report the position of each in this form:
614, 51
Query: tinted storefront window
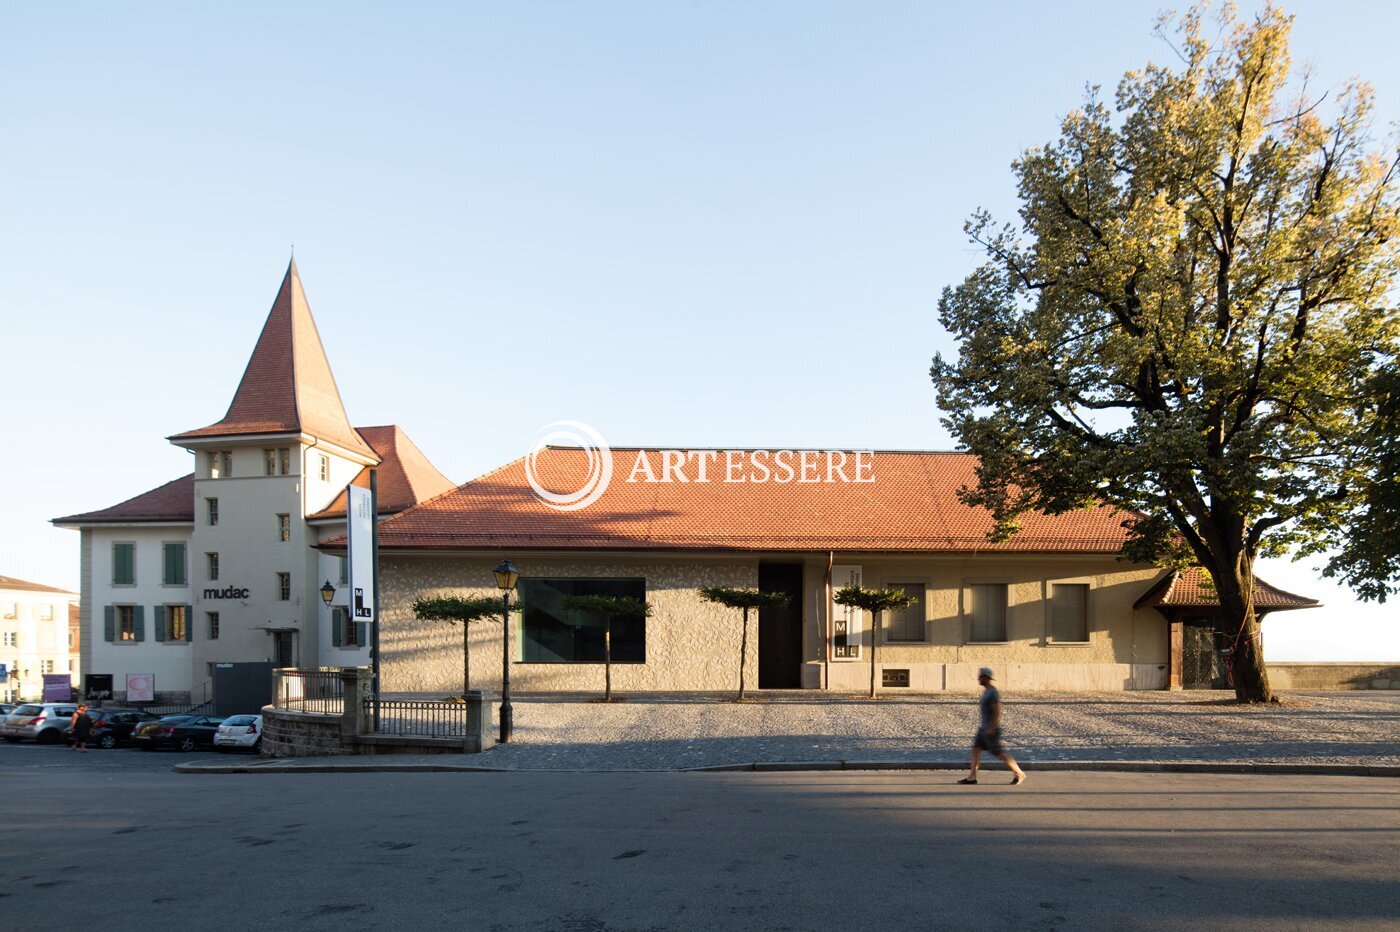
550, 634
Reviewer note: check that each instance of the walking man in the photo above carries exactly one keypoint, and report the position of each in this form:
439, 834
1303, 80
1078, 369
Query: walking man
989, 732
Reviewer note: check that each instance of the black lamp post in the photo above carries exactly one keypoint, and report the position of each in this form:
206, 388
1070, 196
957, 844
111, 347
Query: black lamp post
506, 575
327, 593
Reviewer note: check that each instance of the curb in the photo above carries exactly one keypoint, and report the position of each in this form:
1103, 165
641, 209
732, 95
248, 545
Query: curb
286, 765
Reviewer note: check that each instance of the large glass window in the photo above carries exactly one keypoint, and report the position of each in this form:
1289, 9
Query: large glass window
552, 634
1069, 612
987, 612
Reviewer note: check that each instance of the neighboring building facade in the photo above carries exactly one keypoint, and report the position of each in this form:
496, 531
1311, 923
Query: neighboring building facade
34, 636
1052, 608
219, 566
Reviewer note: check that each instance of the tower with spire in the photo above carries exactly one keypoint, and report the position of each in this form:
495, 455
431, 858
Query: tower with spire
220, 566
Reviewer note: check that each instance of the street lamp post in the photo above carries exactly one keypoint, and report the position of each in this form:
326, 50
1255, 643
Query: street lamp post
327, 593
506, 576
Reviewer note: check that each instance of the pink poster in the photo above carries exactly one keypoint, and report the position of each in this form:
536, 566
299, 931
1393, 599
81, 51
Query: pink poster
140, 687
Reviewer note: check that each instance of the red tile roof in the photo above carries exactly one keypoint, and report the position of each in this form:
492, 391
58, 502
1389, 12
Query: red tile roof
288, 386
173, 501
9, 582
406, 477
911, 506
1193, 588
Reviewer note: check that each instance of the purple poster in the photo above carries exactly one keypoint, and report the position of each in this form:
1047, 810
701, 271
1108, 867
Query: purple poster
58, 687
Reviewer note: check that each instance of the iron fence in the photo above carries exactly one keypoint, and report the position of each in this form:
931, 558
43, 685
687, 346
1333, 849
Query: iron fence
309, 690
429, 718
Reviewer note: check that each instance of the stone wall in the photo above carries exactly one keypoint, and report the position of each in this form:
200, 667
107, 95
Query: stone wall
1334, 675
301, 734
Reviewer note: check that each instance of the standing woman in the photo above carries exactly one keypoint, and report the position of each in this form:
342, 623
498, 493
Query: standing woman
82, 728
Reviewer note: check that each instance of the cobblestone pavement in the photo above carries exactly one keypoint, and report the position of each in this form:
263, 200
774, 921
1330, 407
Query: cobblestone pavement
669, 732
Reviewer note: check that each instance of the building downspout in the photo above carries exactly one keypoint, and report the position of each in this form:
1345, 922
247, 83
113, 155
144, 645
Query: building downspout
826, 614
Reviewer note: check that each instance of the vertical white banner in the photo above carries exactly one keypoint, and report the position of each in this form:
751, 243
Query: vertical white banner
360, 556
847, 621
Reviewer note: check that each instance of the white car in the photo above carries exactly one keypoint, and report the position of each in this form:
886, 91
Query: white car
239, 731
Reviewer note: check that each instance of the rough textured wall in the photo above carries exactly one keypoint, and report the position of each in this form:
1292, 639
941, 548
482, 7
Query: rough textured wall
691, 644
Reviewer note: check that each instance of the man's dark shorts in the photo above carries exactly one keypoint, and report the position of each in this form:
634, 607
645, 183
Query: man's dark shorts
989, 740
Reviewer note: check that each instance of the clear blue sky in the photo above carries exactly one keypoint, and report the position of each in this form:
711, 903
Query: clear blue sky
698, 224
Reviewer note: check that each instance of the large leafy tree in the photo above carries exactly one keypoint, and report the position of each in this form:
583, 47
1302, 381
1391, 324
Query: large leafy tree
1195, 320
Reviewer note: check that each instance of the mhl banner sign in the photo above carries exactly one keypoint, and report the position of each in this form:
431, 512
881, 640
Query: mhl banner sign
361, 554
847, 622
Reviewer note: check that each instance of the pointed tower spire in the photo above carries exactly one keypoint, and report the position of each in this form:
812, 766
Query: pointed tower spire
288, 386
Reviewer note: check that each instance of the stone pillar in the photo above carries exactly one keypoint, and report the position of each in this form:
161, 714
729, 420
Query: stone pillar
481, 736
357, 685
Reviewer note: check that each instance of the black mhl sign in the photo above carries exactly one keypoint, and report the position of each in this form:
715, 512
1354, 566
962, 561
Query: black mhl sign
361, 609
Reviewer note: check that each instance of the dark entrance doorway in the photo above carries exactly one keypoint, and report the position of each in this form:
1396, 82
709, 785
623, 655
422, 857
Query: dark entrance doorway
1201, 663
780, 629
284, 649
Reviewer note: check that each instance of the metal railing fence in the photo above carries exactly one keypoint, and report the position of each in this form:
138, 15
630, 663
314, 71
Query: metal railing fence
421, 717
317, 690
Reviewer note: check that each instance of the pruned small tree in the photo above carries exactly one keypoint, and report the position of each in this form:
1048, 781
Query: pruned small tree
744, 599
607, 607
463, 611
876, 602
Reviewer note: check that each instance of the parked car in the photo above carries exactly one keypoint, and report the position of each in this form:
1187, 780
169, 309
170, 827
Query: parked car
41, 721
111, 727
181, 732
239, 731
6, 708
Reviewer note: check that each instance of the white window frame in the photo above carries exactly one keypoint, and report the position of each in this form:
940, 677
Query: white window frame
284, 587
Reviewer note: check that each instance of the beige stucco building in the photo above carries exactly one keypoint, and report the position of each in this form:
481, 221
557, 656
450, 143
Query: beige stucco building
35, 639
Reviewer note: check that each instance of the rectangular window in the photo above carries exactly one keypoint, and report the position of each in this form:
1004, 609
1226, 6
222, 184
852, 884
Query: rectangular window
176, 624
46, 666
212, 510
347, 631
284, 587
213, 619
284, 527
227, 457
1069, 612
325, 468
284, 460
269, 462
173, 564
344, 569
123, 564
7, 609
213, 560
987, 611
12, 639
906, 624
126, 622
552, 634
46, 612
214, 463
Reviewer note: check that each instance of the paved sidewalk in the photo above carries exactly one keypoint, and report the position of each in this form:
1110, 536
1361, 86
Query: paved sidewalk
1349, 732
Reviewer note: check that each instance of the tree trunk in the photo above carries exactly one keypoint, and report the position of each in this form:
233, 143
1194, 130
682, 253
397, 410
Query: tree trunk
743, 652
874, 639
607, 659
1234, 586
466, 658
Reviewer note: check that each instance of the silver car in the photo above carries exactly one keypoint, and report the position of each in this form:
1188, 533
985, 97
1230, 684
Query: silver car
38, 721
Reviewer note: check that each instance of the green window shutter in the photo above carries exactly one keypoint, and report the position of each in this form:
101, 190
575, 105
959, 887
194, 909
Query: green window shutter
123, 564
109, 622
174, 574
138, 621
160, 622
362, 630
189, 622
335, 627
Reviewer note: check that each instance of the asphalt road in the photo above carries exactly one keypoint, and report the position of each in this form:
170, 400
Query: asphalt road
114, 840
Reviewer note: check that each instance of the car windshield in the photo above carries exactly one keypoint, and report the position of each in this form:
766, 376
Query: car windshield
28, 710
